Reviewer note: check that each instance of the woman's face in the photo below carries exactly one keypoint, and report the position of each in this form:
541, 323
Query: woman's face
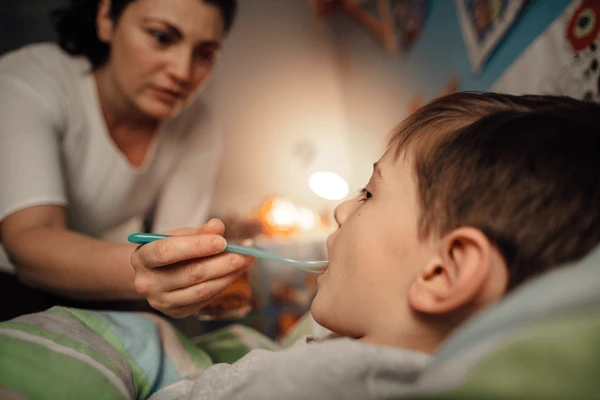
162, 52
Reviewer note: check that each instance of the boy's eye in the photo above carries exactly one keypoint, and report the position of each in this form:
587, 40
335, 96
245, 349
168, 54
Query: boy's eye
365, 194
162, 38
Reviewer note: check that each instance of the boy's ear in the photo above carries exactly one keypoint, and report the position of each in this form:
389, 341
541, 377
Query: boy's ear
456, 276
104, 23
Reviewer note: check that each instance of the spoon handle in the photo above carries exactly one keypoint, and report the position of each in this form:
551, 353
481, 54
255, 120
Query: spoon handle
144, 238
311, 266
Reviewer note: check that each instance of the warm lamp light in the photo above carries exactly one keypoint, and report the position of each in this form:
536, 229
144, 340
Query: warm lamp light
284, 218
277, 220
328, 185
306, 218
284, 213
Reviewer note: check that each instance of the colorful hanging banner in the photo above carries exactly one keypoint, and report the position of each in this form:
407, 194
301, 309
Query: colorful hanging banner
565, 59
483, 24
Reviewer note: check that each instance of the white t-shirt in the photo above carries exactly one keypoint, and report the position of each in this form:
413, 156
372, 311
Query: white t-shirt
55, 150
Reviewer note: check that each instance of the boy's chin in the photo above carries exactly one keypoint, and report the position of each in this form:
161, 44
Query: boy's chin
318, 311
322, 314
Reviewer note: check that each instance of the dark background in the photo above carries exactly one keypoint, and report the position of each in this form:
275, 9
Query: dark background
26, 21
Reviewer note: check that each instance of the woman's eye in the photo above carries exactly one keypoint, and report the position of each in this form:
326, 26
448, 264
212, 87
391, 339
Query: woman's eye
162, 38
206, 55
365, 194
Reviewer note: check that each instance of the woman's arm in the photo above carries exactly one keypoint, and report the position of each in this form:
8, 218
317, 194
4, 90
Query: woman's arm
50, 257
178, 275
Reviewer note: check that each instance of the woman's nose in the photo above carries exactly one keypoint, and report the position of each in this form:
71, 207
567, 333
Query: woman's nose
342, 211
181, 67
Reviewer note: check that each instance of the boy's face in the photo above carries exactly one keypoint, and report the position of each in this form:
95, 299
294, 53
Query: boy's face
374, 255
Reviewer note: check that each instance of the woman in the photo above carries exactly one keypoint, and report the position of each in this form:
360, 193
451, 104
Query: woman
106, 128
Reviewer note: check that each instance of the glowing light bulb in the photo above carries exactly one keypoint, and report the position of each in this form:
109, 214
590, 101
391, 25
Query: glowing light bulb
328, 185
284, 213
306, 218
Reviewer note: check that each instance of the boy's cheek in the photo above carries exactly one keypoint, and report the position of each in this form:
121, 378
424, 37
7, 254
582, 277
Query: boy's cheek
316, 307
330, 242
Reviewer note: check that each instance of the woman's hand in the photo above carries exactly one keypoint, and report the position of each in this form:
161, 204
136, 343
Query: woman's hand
179, 275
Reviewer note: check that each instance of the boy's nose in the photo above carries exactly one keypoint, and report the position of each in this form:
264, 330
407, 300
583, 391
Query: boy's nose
342, 211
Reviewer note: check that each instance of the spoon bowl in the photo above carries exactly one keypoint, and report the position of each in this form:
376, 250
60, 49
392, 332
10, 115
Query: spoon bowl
317, 267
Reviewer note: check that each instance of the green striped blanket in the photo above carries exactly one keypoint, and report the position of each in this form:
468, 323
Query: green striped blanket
68, 353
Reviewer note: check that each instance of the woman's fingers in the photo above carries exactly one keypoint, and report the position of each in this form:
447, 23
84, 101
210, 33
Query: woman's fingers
193, 272
208, 269
186, 244
181, 274
176, 249
183, 231
215, 226
188, 301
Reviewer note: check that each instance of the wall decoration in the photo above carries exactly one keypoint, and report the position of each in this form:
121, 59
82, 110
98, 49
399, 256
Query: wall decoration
564, 60
484, 23
376, 17
322, 9
397, 24
408, 20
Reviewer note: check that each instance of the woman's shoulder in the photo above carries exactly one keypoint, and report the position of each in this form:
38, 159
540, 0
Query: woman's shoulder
41, 61
44, 75
38, 52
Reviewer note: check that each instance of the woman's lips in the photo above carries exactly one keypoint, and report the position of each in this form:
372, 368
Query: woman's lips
168, 95
320, 277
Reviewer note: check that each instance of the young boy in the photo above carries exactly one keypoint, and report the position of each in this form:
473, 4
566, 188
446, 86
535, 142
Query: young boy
476, 194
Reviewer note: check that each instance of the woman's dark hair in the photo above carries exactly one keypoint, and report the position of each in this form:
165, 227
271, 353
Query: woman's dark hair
75, 25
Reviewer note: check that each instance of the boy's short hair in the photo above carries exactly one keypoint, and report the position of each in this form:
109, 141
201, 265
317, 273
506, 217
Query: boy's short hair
525, 170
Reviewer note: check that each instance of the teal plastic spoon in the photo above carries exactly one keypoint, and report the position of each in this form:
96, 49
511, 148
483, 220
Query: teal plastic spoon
317, 267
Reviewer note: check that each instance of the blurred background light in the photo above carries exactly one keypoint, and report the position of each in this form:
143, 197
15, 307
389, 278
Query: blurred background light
328, 185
